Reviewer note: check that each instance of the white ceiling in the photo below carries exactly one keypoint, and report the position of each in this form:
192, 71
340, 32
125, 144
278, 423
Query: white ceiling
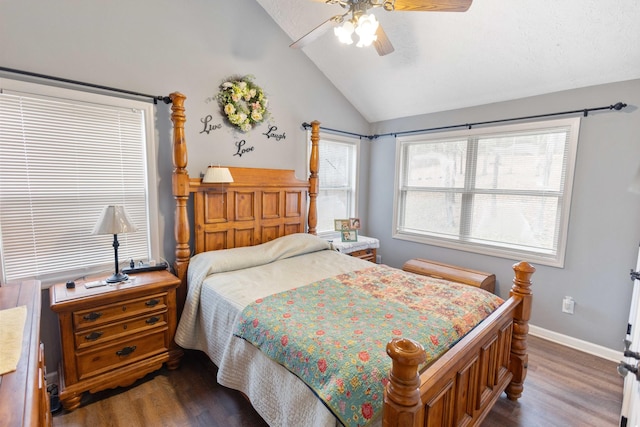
498, 50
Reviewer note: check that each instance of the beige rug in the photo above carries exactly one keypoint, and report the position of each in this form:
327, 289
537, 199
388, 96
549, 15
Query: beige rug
11, 327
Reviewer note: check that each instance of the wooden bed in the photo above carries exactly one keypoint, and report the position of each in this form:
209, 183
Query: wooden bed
457, 389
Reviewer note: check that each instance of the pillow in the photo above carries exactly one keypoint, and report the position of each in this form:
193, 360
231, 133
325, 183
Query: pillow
251, 256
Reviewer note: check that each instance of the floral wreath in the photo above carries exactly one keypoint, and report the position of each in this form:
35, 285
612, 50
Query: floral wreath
242, 102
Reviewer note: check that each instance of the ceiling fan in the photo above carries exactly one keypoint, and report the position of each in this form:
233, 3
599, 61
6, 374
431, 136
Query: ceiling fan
366, 26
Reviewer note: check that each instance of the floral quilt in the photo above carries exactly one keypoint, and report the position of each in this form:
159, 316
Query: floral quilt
332, 334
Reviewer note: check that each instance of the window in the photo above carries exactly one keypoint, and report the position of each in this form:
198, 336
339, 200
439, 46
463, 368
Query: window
338, 173
502, 191
64, 155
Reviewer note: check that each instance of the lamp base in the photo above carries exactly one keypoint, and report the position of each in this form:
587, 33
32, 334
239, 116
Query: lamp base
117, 277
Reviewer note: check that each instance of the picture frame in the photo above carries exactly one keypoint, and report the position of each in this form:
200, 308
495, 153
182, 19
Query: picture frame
354, 223
349, 235
341, 224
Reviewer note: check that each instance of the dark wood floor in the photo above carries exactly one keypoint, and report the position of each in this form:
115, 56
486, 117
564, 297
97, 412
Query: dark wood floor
564, 387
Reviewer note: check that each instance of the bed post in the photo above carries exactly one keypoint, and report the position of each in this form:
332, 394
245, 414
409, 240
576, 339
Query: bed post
180, 183
312, 217
519, 358
402, 402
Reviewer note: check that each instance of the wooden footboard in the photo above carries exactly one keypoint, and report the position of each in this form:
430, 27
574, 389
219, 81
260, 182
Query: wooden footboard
461, 386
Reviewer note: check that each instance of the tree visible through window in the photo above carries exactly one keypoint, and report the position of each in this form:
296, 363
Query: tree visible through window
503, 191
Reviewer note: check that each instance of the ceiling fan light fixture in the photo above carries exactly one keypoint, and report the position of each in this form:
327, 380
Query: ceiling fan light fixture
344, 32
366, 29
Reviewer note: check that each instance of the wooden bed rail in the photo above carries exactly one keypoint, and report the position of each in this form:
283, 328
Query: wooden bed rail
460, 390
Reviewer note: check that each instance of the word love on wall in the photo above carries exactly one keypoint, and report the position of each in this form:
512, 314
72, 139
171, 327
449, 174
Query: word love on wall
242, 149
271, 134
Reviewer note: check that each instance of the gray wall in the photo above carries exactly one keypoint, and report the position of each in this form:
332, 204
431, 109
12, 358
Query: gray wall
604, 228
160, 46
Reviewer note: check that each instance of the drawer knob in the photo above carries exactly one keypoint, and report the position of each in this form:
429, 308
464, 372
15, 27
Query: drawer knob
92, 316
93, 336
126, 351
152, 303
152, 320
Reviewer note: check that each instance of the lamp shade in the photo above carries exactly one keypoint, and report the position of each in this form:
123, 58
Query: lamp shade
218, 175
114, 220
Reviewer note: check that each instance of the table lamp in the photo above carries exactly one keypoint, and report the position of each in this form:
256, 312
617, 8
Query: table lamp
114, 220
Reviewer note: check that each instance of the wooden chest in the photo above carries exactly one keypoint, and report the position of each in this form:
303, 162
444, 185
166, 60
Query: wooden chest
480, 279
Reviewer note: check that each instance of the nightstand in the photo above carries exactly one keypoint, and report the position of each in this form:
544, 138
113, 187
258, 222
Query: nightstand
365, 248
115, 334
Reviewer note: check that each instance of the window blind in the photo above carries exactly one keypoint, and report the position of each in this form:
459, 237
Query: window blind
61, 162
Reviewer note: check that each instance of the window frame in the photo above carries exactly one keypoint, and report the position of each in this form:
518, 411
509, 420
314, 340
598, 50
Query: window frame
339, 139
82, 95
556, 259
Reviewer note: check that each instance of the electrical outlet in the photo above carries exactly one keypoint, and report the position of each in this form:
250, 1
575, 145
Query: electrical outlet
568, 304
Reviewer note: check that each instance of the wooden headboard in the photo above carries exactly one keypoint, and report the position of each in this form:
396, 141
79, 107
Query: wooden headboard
258, 206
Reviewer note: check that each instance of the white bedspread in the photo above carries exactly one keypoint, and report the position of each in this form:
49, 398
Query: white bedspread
217, 294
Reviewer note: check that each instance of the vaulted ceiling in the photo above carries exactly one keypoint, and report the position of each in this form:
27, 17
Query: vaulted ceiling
497, 50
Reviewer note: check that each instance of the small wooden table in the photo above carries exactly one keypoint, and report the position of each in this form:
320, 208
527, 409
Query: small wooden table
364, 248
115, 334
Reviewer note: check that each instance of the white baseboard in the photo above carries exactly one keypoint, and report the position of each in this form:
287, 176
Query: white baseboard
587, 347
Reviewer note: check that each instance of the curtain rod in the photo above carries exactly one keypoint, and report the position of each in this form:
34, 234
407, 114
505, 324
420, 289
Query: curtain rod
585, 111
306, 126
165, 99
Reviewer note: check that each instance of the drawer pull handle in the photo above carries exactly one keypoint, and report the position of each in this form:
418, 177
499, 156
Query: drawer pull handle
93, 336
152, 303
92, 316
126, 351
152, 320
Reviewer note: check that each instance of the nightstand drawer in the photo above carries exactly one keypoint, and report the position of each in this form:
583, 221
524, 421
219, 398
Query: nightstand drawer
124, 352
104, 333
365, 254
118, 311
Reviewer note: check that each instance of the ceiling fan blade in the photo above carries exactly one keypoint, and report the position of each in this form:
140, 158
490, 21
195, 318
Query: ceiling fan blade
315, 33
382, 44
431, 5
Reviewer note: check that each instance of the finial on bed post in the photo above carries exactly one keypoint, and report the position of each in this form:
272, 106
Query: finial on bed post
312, 218
519, 358
180, 182
402, 402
